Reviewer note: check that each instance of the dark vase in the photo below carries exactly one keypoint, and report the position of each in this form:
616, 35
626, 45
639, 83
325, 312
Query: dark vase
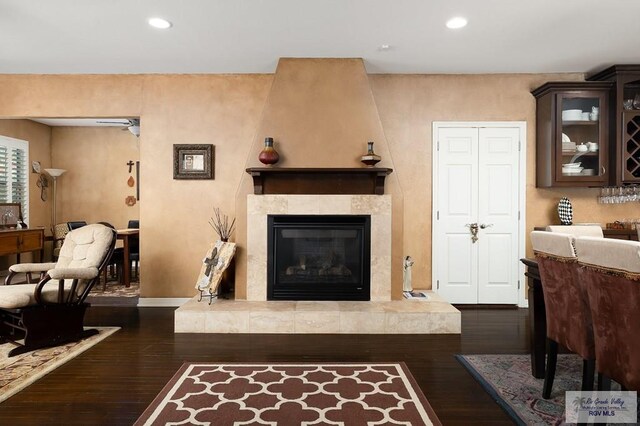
370, 158
268, 155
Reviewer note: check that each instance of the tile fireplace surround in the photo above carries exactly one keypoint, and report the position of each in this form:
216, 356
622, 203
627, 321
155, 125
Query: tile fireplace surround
377, 206
257, 315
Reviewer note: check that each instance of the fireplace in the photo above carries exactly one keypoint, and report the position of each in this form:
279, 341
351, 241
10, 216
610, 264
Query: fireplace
318, 257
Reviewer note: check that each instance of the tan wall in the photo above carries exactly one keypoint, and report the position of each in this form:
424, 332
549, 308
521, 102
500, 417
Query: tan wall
220, 110
39, 138
94, 186
225, 110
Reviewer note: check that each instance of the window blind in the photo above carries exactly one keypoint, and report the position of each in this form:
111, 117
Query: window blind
14, 177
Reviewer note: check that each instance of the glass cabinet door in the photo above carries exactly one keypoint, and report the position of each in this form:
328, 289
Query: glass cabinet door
581, 138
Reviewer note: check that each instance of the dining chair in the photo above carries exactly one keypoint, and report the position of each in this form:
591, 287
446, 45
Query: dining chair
567, 306
578, 230
114, 263
60, 231
76, 224
611, 273
134, 246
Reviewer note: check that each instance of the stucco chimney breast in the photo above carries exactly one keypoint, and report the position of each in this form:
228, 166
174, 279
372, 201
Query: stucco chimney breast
321, 113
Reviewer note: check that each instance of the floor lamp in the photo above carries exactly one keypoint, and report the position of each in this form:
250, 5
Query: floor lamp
55, 174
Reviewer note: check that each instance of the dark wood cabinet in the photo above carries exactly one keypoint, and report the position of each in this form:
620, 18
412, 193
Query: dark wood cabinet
572, 146
625, 120
18, 241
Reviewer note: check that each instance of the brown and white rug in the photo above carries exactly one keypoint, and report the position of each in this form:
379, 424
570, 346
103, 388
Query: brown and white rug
115, 294
18, 372
291, 394
115, 289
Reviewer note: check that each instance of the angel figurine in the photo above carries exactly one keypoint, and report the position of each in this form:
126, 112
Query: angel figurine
406, 275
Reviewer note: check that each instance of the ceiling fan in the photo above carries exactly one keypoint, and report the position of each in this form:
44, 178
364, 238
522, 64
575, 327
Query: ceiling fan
131, 124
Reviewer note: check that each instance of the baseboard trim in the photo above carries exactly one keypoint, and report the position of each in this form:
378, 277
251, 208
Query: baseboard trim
148, 302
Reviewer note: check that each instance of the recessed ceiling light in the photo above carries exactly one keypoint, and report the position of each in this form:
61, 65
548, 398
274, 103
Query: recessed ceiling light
160, 23
384, 47
457, 22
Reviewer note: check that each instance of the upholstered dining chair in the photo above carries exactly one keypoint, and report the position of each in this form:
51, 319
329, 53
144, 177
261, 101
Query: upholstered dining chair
567, 306
611, 272
60, 231
134, 246
578, 230
51, 312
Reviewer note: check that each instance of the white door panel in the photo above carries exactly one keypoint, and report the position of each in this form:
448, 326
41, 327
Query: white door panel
459, 262
457, 157
477, 182
498, 210
496, 277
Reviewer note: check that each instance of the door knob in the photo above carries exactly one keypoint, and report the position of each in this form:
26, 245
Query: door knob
473, 228
486, 225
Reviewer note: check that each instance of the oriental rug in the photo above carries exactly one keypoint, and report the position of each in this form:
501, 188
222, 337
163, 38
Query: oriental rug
346, 394
115, 294
18, 372
508, 379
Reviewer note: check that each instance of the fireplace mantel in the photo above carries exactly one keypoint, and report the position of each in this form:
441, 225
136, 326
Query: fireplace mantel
356, 180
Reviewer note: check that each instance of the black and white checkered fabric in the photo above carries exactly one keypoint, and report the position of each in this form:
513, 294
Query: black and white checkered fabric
565, 211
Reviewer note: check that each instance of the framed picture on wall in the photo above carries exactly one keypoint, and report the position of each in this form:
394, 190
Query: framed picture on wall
193, 161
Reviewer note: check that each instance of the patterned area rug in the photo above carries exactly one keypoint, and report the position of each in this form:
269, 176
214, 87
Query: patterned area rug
18, 372
291, 394
115, 294
508, 379
115, 289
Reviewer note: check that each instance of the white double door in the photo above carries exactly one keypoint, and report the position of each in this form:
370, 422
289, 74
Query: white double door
476, 242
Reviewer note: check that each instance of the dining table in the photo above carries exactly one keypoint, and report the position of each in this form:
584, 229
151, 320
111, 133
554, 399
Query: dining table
126, 235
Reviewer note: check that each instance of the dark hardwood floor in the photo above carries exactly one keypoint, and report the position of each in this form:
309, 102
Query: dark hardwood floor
113, 382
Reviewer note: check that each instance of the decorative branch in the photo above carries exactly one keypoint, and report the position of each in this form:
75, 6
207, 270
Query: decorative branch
220, 223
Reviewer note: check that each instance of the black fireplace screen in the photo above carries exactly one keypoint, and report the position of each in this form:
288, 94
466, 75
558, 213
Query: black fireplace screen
318, 257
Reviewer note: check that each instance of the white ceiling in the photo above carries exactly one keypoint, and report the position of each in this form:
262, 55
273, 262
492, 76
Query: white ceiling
248, 36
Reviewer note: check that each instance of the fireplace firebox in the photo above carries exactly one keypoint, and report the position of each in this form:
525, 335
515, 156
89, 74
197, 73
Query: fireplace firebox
318, 257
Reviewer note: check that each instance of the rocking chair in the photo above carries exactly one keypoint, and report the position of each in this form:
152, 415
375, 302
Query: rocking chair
51, 312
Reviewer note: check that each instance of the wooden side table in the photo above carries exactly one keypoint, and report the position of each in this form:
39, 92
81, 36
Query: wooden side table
16, 241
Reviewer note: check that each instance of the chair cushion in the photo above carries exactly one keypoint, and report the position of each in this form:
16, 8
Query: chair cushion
85, 247
31, 267
16, 296
74, 273
21, 295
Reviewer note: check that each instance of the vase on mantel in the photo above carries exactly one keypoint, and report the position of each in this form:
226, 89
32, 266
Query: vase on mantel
370, 158
268, 155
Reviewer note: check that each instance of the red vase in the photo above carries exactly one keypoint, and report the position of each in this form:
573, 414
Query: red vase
268, 155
